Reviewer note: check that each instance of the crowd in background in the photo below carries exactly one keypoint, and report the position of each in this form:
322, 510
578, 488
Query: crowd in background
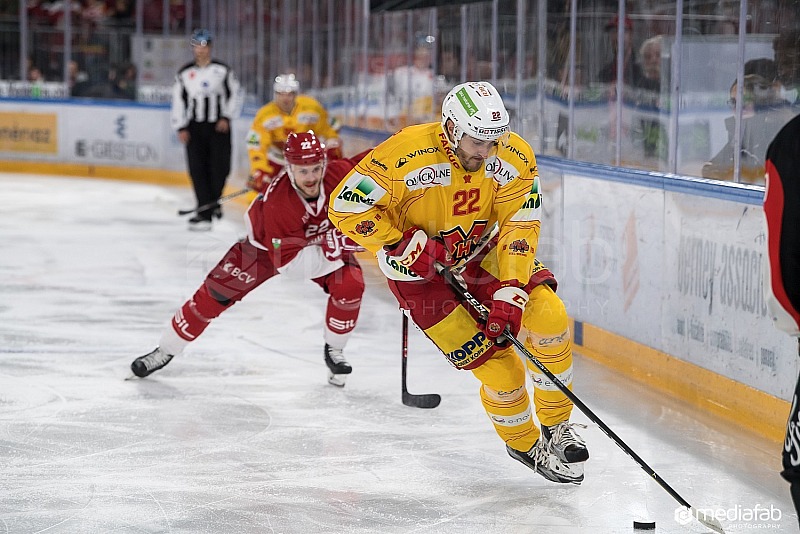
390, 69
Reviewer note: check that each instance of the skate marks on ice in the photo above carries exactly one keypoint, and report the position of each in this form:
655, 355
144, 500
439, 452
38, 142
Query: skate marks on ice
243, 434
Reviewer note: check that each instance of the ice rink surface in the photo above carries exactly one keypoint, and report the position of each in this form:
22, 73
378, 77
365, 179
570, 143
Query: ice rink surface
243, 434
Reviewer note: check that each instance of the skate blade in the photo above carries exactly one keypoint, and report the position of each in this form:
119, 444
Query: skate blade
576, 468
575, 472
337, 380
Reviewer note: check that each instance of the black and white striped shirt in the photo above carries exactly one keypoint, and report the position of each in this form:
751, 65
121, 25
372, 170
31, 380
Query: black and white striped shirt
205, 94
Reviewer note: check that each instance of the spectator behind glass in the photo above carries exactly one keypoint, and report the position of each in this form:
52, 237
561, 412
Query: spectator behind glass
654, 134
94, 13
631, 71
78, 80
787, 60
126, 82
411, 87
121, 12
650, 54
35, 74
449, 65
764, 113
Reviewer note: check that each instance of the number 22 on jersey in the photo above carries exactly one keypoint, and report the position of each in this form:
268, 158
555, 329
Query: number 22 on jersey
466, 201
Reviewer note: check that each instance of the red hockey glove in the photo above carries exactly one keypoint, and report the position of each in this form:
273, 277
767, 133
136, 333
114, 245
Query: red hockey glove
419, 253
336, 243
506, 310
259, 181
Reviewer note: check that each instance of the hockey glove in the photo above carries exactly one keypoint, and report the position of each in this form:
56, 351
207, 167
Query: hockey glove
506, 310
336, 243
419, 253
259, 181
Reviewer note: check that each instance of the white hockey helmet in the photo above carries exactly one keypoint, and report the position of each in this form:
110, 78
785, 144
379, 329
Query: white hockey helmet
286, 83
476, 110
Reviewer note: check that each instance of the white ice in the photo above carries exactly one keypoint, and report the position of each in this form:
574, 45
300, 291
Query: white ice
243, 434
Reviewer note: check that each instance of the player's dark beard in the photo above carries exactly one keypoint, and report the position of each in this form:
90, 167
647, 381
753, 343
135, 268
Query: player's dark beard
470, 163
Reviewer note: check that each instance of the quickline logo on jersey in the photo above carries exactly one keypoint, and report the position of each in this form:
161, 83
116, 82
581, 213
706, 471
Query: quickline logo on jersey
466, 102
308, 117
428, 176
358, 194
502, 171
273, 123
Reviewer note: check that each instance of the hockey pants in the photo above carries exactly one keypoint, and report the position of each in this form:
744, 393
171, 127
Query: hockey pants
453, 328
245, 267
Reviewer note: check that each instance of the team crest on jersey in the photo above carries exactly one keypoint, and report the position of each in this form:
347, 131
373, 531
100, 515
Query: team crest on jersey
519, 246
531, 209
428, 176
359, 193
499, 169
365, 227
460, 243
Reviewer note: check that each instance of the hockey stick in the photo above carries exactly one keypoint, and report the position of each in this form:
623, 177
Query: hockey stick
221, 200
425, 400
432, 400
706, 520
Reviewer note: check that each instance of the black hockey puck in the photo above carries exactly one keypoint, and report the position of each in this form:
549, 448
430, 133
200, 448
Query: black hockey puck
644, 525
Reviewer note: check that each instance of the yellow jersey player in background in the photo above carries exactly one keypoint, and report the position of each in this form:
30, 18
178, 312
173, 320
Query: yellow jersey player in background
288, 112
426, 196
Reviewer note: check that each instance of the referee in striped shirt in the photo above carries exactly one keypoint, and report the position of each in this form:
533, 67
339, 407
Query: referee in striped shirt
205, 98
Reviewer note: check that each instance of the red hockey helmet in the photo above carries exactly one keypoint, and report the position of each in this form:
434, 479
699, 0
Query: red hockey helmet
303, 149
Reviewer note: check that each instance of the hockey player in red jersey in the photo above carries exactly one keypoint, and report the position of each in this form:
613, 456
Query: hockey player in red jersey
288, 231
782, 211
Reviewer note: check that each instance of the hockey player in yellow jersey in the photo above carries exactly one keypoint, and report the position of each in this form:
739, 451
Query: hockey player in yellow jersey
288, 112
425, 197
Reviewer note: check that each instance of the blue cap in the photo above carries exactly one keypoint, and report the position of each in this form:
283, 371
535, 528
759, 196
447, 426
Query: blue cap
201, 37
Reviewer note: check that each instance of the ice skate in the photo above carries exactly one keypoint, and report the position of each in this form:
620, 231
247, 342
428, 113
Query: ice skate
149, 363
565, 443
337, 366
200, 223
547, 464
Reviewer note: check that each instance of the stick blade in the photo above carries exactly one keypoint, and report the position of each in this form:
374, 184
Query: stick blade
427, 400
707, 520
